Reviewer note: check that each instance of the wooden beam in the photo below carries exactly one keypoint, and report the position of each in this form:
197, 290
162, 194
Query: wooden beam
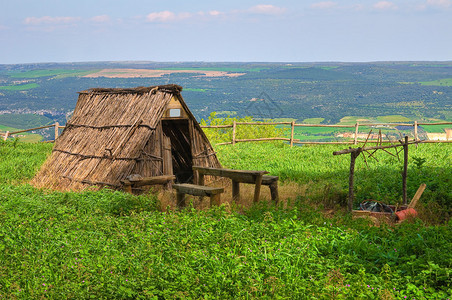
417, 196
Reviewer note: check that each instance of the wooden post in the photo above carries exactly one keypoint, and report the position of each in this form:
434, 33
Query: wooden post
405, 169
235, 190
351, 196
257, 189
355, 142
180, 199
416, 138
233, 132
291, 133
6, 136
274, 191
57, 126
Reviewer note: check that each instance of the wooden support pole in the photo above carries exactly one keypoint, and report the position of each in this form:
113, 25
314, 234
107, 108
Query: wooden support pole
405, 170
6, 136
235, 190
351, 195
234, 126
291, 133
57, 126
355, 142
274, 191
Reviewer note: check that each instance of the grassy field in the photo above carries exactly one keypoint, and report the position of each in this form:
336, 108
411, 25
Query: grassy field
110, 245
20, 87
440, 82
57, 73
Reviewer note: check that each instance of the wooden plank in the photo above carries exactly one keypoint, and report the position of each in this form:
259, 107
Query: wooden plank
323, 125
417, 196
167, 156
237, 175
153, 180
197, 190
262, 139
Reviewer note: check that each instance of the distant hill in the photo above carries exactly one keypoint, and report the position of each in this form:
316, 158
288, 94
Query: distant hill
415, 90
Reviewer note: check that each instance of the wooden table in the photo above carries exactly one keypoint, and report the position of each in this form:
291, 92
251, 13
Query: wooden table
237, 177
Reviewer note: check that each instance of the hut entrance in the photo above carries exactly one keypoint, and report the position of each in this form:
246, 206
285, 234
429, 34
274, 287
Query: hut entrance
177, 138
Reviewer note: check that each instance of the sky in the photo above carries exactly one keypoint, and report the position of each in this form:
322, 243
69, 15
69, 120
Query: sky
33, 31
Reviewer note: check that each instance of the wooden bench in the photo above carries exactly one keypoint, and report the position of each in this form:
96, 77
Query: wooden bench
241, 176
197, 190
136, 181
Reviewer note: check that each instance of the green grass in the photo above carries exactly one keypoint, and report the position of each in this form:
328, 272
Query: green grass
20, 87
110, 245
393, 118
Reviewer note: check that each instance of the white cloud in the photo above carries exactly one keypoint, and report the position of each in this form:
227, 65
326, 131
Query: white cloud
214, 13
267, 9
324, 5
167, 16
46, 20
440, 3
385, 5
101, 19
162, 16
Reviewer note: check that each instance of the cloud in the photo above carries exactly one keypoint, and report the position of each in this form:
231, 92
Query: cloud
324, 5
440, 3
46, 20
101, 19
267, 9
214, 13
167, 16
385, 5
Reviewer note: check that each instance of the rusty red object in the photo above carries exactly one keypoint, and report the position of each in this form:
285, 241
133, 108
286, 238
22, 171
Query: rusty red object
406, 213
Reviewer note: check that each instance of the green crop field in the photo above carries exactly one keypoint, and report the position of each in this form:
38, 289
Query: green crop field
20, 87
110, 245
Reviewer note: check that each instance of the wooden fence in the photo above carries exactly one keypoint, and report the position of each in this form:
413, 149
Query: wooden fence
293, 141
292, 124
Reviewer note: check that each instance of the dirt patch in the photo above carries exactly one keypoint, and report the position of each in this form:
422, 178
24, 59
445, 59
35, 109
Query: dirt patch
147, 73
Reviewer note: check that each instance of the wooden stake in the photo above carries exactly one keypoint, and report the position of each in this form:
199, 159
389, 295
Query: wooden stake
57, 126
291, 133
405, 170
416, 137
233, 132
355, 142
6, 136
351, 195
257, 188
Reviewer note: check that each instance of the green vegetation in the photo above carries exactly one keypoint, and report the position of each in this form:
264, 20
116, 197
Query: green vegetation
439, 82
24, 121
223, 135
393, 119
20, 87
195, 90
435, 128
313, 120
108, 244
57, 73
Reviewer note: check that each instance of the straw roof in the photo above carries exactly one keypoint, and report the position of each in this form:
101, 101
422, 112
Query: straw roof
105, 138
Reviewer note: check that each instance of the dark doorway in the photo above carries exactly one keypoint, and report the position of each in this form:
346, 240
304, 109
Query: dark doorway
178, 133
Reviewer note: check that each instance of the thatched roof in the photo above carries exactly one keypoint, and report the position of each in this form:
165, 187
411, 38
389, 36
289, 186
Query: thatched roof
105, 136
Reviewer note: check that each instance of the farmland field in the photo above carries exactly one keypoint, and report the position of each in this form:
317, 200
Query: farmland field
107, 244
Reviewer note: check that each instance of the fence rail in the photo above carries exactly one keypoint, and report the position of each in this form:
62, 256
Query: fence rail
355, 141
292, 124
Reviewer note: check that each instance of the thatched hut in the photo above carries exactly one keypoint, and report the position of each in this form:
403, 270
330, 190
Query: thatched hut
114, 133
